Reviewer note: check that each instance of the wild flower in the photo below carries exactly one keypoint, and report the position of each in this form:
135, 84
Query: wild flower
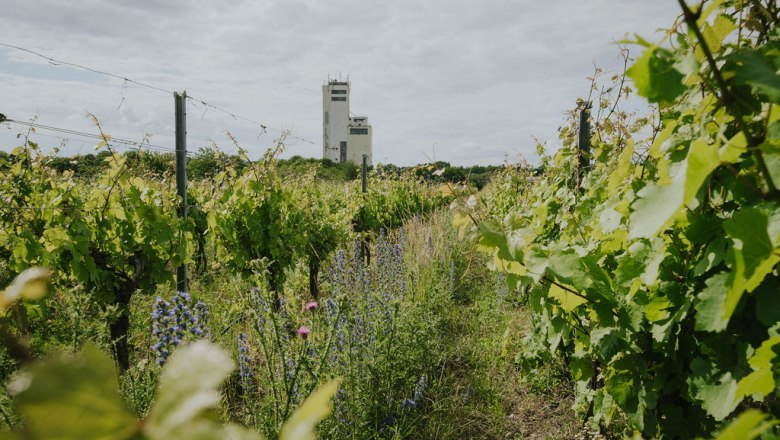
173, 323
338, 273
200, 325
245, 360
419, 393
162, 320
502, 288
331, 309
303, 332
259, 305
311, 305
387, 424
420, 388
340, 408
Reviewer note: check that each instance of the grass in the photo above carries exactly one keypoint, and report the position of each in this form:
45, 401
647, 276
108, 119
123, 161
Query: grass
425, 347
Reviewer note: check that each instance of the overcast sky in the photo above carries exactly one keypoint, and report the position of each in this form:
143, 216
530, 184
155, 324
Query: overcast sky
472, 80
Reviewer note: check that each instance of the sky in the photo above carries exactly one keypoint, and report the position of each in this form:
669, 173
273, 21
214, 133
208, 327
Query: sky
463, 81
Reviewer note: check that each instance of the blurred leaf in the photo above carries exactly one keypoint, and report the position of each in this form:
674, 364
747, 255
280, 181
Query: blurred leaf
300, 426
749, 425
73, 397
30, 284
188, 388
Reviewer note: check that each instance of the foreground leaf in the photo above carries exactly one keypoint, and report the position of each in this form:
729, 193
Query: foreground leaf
749, 425
73, 397
300, 426
188, 389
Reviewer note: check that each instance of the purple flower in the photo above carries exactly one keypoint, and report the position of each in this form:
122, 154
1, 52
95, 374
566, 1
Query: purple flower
245, 360
303, 332
173, 322
311, 305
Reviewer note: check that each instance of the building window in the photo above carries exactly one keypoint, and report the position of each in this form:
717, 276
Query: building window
343, 152
338, 98
358, 131
338, 92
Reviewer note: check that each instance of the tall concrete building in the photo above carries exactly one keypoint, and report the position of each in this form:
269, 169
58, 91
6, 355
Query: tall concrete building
343, 137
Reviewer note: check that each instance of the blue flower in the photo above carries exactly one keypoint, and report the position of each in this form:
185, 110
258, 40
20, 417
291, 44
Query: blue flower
172, 323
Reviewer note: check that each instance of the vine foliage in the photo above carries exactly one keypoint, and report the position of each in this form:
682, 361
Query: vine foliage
655, 278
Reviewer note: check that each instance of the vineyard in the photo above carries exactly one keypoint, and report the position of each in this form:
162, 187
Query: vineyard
623, 286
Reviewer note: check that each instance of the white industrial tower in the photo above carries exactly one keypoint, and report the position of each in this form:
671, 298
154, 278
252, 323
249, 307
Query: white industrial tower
343, 137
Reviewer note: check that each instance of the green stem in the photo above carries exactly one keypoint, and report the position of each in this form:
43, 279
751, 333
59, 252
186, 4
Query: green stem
328, 345
269, 365
291, 386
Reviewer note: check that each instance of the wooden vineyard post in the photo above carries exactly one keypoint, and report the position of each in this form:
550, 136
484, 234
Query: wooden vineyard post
583, 144
180, 100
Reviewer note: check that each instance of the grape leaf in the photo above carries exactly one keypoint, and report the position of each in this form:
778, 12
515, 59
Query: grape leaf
748, 229
719, 399
703, 158
750, 67
188, 388
655, 76
709, 312
566, 299
752, 254
749, 425
73, 397
761, 381
657, 204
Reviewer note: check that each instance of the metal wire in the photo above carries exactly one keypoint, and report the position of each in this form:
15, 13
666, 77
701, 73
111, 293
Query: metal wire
105, 138
126, 80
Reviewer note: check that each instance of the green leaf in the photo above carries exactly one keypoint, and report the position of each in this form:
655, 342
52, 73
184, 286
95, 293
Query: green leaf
768, 304
566, 299
300, 426
709, 312
772, 160
492, 236
73, 397
641, 261
566, 265
719, 399
188, 389
749, 425
761, 381
657, 204
750, 67
608, 342
703, 158
748, 229
733, 149
753, 256
655, 76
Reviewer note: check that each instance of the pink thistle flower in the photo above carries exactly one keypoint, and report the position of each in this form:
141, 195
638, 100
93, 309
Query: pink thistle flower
303, 332
311, 305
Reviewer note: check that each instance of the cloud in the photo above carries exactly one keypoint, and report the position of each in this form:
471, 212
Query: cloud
476, 78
